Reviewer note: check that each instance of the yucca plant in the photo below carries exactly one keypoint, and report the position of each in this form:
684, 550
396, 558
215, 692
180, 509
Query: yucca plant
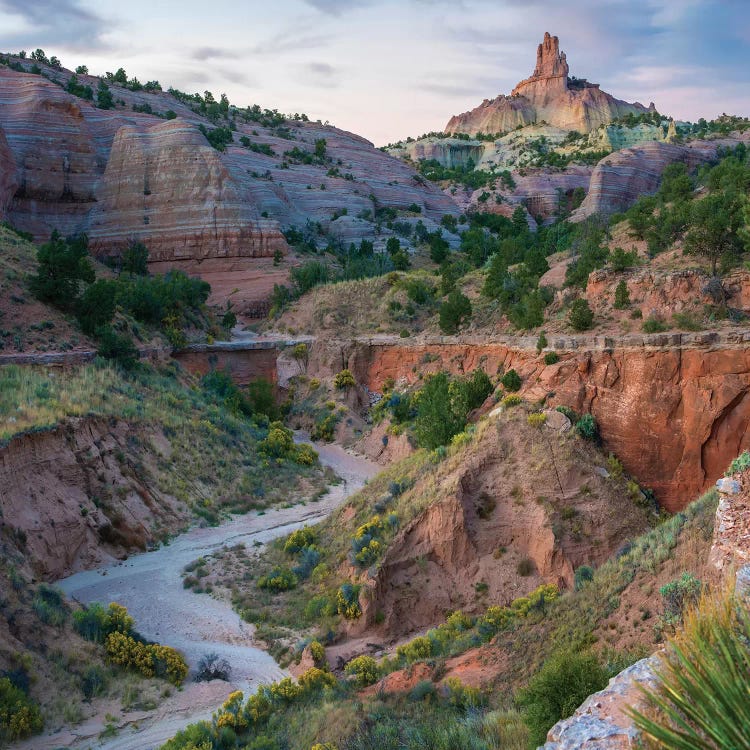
702, 701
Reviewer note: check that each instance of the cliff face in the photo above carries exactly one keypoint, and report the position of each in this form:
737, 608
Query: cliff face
675, 411
8, 184
547, 95
502, 506
167, 187
71, 499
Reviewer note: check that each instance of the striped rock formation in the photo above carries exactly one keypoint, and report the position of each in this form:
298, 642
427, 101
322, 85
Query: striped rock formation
122, 174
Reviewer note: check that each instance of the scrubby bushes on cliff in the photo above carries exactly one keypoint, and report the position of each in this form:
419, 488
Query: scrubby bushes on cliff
63, 268
443, 405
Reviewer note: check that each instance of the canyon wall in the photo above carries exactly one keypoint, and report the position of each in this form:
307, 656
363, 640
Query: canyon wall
73, 496
674, 408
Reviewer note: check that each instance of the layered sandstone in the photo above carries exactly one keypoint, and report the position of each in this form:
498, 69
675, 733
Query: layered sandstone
549, 95
167, 188
621, 178
122, 174
8, 184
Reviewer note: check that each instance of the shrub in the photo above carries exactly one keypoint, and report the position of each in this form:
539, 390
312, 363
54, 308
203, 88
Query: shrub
278, 579
622, 296
654, 325
347, 601
415, 650
318, 653
299, 539
118, 347
314, 680
525, 567
344, 379
63, 266
511, 400
279, 443
364, 669
454, 312
211, 667
511, 381
700, 702
49, 605
679, 594
19, 716
151, 660
551, 358
557, 689
580, 317
587, 428
583, 575
537, 419
541, 342
94, 623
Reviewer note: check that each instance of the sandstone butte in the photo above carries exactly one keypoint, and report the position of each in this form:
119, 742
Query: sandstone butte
121, 174
550, 95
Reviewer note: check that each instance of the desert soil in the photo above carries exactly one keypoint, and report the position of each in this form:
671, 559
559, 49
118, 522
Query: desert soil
150, 586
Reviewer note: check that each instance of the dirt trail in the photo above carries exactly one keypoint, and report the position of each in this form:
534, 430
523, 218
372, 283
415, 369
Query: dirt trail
150, 586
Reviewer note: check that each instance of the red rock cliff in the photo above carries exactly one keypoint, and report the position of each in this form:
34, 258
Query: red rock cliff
675, 409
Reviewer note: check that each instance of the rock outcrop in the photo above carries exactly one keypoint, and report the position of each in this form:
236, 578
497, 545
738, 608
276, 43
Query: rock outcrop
621, 178
166, 187
601, 722
8, 184
72, 500
470, 542
550, 95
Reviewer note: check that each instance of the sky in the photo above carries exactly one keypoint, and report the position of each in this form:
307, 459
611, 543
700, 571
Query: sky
387, 69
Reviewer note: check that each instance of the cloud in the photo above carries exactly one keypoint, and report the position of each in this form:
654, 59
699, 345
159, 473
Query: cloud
289, 41
58, 22
211, 53
337, 7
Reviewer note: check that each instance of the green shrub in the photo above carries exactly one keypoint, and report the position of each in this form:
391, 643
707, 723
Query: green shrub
511, 400
587, 428
551, 358
49, 605
679, 594
364, 669
299, 539
19, 716
654, 325
347, 601
95, 623
511, 381
278, 579
454, 312
344, 379
557, 689
580, 317
63, 266
622, 296
583, 575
